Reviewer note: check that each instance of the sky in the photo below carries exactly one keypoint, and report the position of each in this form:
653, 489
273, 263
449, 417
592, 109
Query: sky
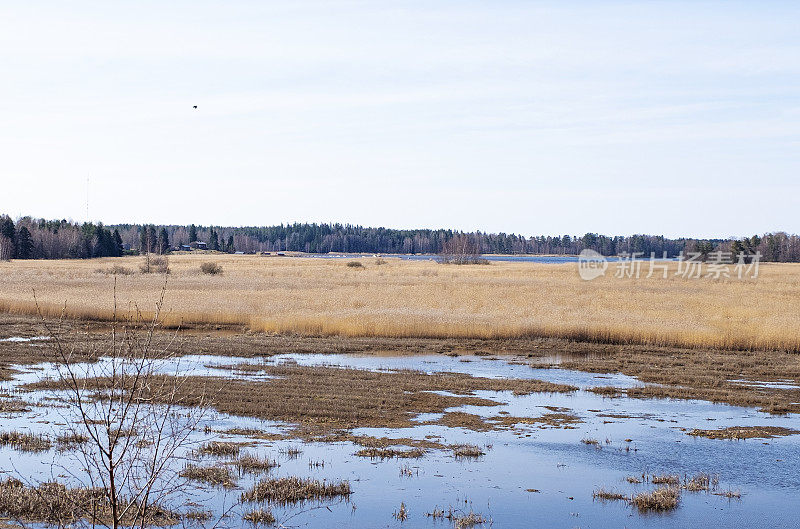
562, 117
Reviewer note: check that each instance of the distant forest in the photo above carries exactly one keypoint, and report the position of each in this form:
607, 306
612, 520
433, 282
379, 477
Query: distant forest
30, 238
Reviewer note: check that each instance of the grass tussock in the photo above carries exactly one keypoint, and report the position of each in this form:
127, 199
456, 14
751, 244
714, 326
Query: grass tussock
252, 464
25, 442
607, 495
289, 490
401, 514
219, 449
355, 264
467, 451
259, 517
217, 476
417, 299
665, 479
468, 520
660, 500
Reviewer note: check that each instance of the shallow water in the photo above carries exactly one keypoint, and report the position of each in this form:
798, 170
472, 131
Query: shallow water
552, 460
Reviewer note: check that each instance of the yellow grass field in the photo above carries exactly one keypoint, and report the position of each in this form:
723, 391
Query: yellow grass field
426, 299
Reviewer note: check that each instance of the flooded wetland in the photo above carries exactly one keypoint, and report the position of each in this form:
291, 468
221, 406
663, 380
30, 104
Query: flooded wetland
453, 438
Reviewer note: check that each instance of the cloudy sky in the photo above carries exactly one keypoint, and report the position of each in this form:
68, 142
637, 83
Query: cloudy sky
675, 118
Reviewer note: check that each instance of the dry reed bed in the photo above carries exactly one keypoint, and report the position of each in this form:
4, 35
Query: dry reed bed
321, 399
425, 299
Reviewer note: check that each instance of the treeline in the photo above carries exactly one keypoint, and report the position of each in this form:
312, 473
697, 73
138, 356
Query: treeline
45, 239
56, 239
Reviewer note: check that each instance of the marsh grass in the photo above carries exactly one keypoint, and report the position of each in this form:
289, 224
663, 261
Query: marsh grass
423, 299
12, 405
390, 453
219, 449
591, 442
25, 442
467, 451
70, 441
401, 514
325, 399
217, 476
259, 517
744, 432
197, 516
115, 270
468, 520
665, 479
607, 495
701, 482
660, 500
54, 503
252, 464
288, 490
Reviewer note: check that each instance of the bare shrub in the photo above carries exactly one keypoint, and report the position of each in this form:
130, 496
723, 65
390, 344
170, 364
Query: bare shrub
355, 264
211, 268
461, 250
158, 264
135, 424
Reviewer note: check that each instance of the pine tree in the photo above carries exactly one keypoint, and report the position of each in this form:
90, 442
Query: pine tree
163, 241
152, 237
7, 238
213, 241
192, 234
24, 244
118, 243
229, 246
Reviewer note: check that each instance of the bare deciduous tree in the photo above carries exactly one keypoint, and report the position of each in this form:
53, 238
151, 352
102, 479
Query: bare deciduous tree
128, 420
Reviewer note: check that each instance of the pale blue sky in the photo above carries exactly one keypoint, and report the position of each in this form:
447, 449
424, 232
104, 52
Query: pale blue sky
681, 118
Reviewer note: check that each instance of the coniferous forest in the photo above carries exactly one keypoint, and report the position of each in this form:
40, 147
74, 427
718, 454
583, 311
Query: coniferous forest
30, 238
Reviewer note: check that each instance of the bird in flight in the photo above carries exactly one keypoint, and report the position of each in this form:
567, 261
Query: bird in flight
195, 106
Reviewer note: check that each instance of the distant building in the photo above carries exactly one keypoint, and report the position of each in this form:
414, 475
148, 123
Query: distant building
186, 248
199, 245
